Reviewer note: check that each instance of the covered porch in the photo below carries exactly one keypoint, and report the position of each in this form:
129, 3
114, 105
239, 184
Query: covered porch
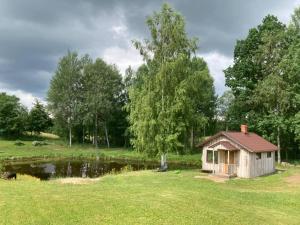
227, 162
226, 159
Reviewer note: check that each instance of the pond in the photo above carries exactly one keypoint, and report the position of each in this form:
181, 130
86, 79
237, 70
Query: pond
46, 170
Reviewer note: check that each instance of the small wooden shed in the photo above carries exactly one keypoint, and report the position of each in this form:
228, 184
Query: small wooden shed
240, 154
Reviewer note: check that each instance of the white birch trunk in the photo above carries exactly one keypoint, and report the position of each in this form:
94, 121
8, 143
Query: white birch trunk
83, 136
96, 130
278, 145
106, 135
192, 138
70, 136
163, 162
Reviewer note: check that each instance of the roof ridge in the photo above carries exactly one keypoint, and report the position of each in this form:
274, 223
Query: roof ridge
238, 132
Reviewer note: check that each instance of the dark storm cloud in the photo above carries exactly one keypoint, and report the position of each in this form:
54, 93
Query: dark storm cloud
35, 33
217, 23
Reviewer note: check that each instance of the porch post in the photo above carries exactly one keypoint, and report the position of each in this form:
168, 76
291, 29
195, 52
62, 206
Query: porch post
228, 157
213, 161
218, 168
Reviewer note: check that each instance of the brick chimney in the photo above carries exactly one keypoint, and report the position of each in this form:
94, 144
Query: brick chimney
244, 129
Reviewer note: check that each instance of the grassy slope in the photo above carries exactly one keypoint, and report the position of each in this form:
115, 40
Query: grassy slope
57, 150
147, 197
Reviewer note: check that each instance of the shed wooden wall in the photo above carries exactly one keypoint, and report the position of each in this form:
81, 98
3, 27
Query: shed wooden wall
261, 166
249, 166
243, 169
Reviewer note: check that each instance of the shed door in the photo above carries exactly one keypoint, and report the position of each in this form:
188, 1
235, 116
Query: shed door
231, 157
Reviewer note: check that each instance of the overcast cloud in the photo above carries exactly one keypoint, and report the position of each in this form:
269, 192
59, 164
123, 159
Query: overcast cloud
34, 34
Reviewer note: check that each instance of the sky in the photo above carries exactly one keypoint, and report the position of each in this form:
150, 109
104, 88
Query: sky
35, 34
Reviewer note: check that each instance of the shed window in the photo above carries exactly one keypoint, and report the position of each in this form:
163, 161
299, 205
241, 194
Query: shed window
269, 154
209, 156
216, 157
258, 155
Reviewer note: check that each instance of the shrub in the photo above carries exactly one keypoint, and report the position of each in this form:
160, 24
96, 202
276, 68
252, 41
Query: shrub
39, 143
1, 169
19, 143
127, 168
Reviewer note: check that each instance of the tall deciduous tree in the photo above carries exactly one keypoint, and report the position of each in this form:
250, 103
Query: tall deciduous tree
255, 58
65, 91
170, 91
102, 84
272, 95
265, 80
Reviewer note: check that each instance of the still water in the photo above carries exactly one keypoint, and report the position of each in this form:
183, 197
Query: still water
46, 170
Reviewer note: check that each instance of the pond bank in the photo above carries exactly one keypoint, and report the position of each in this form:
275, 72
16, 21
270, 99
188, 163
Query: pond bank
10, 153
84, 168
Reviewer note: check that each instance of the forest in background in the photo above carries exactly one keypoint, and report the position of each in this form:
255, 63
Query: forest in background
169, 103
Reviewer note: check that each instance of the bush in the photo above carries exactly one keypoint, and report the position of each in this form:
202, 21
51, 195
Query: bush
19, 143
39, 143
126, 169
1, 169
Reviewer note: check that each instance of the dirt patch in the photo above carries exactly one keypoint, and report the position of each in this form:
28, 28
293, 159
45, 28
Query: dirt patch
77, 180
213, 178
293, 180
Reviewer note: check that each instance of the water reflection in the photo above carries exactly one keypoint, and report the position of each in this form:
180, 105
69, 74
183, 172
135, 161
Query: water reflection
72, 168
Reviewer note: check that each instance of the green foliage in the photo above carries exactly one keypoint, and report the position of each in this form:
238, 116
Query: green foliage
255, 58
86, 99
19, 143
65, 92
265, 81
172, 94
225, 108
126, 169
13, 116
297, 126
38, 118
102, 86
39, 143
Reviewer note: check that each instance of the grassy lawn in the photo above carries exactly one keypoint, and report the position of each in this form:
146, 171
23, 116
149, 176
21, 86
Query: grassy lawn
143, 197
58, 149
146, 197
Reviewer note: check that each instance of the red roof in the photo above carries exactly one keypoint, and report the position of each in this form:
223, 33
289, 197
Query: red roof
226, 144
250, 141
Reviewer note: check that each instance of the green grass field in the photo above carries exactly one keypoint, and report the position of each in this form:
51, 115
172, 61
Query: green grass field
147, 197
144, 197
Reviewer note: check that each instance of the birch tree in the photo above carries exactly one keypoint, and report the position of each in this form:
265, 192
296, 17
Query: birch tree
64, 92
161, 106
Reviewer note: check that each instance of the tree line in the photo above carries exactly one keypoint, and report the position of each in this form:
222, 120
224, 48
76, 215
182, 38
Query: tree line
86, 98
158, 108
16, 118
